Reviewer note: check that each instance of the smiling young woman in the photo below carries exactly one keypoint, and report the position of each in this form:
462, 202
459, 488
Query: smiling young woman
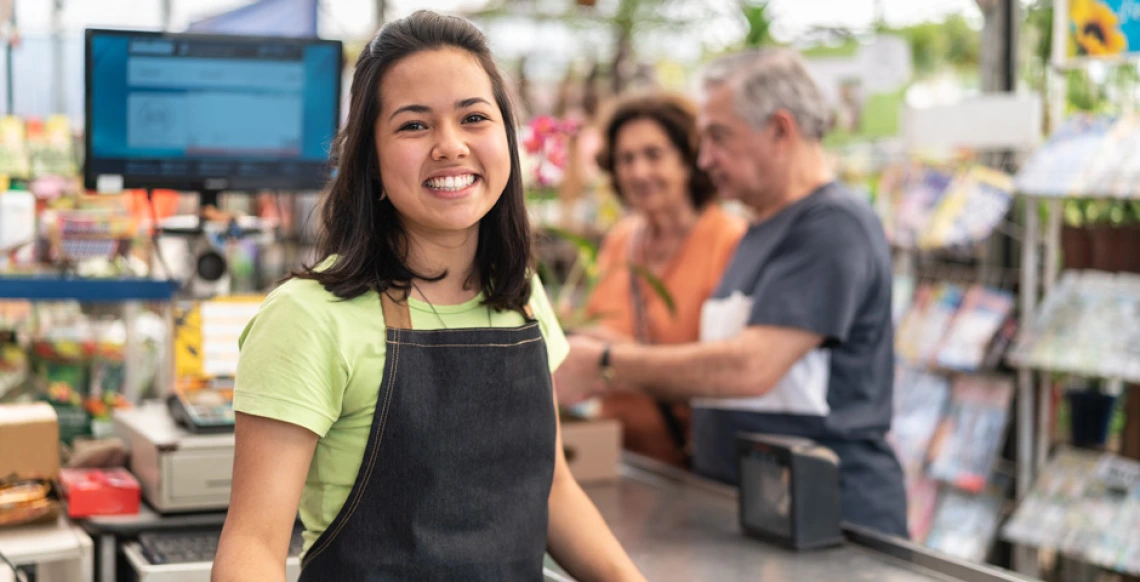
398, 392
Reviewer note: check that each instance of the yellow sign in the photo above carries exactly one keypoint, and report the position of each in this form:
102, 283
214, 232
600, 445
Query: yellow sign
206, 336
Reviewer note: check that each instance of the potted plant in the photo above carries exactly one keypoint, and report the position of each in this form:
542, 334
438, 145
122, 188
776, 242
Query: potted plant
1132, 243
1091, 406
1109, 236
1076, 243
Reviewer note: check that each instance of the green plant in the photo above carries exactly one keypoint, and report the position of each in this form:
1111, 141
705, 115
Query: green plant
1085, 213
759, 24
1073, 213
583, 276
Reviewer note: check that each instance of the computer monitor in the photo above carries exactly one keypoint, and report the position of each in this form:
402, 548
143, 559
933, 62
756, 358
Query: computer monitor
209, 113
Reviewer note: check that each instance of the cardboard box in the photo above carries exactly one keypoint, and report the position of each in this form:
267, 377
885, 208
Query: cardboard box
592, 448
29, 441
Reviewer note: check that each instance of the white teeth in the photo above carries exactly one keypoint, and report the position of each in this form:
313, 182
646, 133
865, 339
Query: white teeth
451, 182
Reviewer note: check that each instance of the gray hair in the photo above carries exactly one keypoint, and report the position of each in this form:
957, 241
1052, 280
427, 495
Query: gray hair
766, 80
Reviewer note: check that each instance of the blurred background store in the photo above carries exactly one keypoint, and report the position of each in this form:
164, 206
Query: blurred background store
998, 141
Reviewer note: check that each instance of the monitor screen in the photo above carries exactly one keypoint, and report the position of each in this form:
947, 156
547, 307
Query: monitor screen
209, 113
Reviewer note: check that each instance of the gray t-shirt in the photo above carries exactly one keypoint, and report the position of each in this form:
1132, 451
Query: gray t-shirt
822, 265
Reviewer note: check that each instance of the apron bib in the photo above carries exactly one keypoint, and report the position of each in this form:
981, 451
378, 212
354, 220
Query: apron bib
459, 462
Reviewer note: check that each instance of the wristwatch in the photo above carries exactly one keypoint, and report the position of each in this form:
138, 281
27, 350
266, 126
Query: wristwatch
607, 367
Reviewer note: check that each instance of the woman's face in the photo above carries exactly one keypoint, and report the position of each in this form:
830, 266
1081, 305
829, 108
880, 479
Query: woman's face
441, 140
648, 168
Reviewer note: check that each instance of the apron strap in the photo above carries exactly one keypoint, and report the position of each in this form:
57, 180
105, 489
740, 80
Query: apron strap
396, 314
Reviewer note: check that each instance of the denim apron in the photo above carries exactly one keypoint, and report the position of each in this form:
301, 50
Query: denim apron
459, 463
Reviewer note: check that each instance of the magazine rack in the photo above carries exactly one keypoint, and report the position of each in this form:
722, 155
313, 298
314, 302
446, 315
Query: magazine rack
1049, 184
940, 221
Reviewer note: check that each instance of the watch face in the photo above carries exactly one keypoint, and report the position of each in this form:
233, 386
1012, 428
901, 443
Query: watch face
766, 495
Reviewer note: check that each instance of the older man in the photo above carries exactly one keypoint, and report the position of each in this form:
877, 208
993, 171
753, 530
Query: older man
797, 339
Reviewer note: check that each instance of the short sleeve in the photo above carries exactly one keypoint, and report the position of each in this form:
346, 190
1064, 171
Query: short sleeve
557, 348
817, 280
290, 368
729, 231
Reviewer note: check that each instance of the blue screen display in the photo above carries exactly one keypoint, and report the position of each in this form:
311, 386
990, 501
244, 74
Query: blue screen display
195, 112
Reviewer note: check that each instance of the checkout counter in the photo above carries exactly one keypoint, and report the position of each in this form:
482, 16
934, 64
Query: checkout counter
675, 525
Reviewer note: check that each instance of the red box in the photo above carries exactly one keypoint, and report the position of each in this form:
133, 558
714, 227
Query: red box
99, 492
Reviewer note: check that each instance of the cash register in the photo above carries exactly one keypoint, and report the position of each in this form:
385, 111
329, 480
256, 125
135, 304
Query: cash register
178, 470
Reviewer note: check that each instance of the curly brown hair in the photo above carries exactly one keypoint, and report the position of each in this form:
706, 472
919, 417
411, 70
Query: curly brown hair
677, 115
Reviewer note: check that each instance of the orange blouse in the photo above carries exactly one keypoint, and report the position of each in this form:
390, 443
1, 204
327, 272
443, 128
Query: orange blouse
690, 277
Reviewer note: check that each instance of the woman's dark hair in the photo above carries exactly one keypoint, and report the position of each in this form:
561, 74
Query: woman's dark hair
677, 116
363, 231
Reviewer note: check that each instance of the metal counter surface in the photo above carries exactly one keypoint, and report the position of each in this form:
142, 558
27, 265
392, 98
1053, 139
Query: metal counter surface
680, 527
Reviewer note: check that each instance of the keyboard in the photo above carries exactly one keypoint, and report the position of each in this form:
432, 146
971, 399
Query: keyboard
192, 545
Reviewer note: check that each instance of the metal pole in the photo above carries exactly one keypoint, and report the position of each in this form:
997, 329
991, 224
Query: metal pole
9, 81
1009, 45
131, 356
1029, 451
1052, 246
1044, 392
166, 13
1029, 265
381, 16
1053, 74
59, 92
1025, 559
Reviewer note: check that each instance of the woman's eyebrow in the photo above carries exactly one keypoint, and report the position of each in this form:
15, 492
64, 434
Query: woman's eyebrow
461, 104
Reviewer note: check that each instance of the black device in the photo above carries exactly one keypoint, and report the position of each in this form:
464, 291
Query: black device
789, 491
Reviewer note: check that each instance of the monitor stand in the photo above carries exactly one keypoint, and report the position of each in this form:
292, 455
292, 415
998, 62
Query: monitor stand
206, 198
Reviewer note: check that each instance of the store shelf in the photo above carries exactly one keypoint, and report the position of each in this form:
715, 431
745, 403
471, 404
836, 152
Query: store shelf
1130, 376
1076, 196
1084, 506
1088, 156
51, 288
1084, 326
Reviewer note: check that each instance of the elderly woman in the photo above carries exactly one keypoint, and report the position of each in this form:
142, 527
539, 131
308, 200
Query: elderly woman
676, 232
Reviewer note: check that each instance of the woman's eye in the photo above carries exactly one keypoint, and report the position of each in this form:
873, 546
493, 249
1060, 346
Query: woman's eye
475, 118
412, 126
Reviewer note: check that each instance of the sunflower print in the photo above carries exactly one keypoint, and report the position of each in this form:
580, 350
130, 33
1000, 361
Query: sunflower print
1096, 29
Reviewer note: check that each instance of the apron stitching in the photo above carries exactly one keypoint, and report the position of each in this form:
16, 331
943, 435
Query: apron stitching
519, 343
469, 329
372, 458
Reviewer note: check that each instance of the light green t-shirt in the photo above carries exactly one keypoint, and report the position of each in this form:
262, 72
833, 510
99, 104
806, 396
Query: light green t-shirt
313, 360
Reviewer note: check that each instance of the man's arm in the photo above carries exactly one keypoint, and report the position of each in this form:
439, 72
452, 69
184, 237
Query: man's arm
748, 365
